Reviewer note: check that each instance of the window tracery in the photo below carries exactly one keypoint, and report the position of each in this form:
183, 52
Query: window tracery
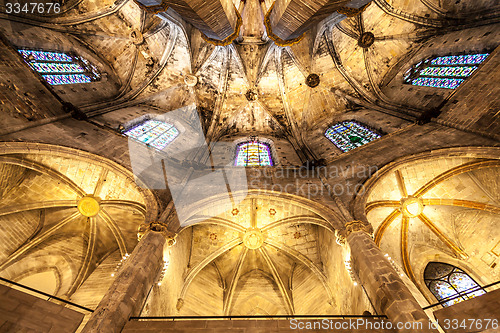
348, 135
446, 281
444, 72
253, 153
60, 68
154, 133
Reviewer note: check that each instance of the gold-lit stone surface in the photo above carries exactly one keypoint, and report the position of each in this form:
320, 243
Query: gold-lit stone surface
190, 80
88, 206
253, 239
411, 206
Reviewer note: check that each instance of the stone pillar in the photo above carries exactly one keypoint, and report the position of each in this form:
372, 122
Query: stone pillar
217, 19
289, 19
386, 290
153, 6
128, 292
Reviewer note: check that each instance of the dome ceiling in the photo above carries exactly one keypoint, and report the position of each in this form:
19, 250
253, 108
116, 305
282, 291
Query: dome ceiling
263, 257
65, 213
444, 208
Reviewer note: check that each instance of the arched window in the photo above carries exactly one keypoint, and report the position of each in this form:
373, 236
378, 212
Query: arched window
348, 135
60, 68
444, 72
447, 281
253, 153
154, 133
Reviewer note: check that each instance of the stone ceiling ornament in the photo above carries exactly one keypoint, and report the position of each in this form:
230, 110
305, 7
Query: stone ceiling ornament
412, 206
251, 95
137, 37
253, 239
313, 80
89, 206
366, 40
190, 80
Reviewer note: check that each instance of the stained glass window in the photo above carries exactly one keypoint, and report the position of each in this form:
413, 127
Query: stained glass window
444, 72
154, 133
60, 68
348, 135
253, 153
447, 281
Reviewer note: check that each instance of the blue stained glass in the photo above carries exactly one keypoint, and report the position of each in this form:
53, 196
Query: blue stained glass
155, 133
467, 59
437, 83
447, 281
348, 135
463, 282
60, 68
253, 153
165, 138
462, 71
45, 56
66, 79
42, 67
138, 131
444, 72
442, 290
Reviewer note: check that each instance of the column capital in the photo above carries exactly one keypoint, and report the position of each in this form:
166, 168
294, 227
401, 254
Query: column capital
351, 12
275, 38
353, 226
153, 6
159, 227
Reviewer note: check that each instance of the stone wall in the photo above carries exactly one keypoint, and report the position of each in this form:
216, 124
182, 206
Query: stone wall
38, 38
476, 40
475, 105
20, 312
475, 312
23, 96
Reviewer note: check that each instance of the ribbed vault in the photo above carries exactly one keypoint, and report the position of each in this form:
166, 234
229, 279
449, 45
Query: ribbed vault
46, 227
441, 207
264, 256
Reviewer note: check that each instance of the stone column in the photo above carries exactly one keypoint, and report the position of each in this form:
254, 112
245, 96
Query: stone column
218, 20
128, 292
289, 19
386, 290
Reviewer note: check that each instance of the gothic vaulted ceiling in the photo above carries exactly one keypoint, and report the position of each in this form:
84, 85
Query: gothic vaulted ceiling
64, 214
440, 207
266, 256
246, 88
252, 86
